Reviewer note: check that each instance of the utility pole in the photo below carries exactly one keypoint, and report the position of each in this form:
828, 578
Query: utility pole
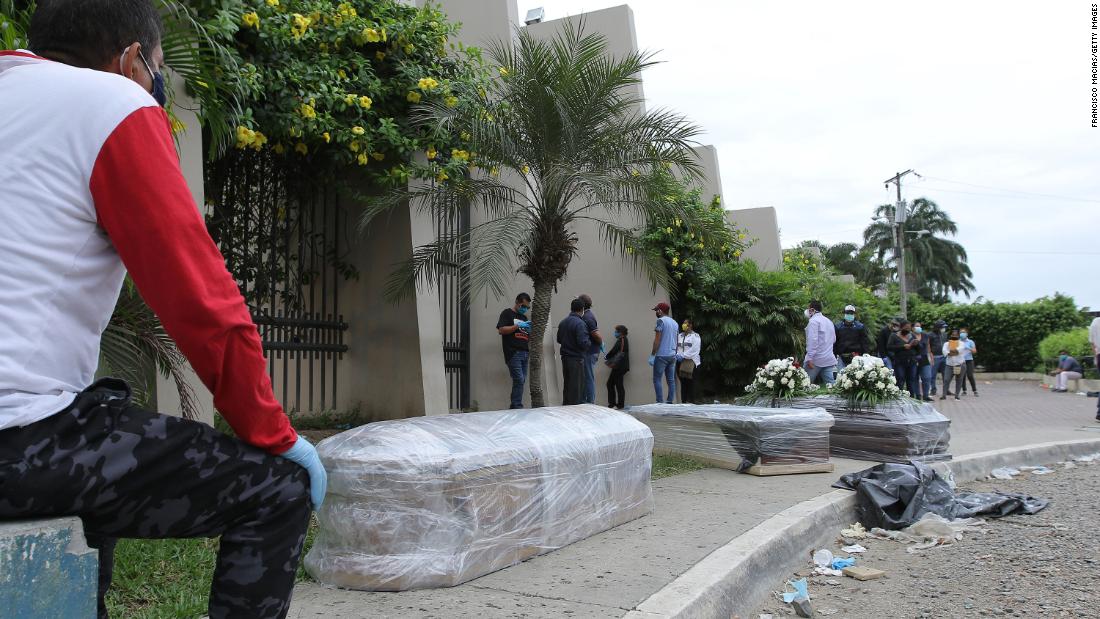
900, 214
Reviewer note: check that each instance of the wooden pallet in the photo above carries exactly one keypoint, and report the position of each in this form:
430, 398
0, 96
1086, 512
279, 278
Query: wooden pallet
763, 470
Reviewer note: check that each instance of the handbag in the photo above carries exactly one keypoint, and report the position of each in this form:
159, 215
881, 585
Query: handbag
687, 368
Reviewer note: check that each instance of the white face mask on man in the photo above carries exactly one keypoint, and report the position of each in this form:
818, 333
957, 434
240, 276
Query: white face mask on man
808, 312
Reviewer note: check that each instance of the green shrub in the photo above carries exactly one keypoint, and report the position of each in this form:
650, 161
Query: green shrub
1007, 334
1076, 341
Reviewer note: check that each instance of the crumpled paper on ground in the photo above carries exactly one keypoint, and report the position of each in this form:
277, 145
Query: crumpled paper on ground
856, 531
931, 530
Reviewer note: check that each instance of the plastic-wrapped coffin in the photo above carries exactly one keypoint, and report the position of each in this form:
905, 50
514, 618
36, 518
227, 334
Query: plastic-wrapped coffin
737, 437
895, 431
436, 501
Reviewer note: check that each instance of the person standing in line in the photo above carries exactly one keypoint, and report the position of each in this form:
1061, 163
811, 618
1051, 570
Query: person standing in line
688, 347
515, 334
618, 359
969, 350
1094, 339
852, 339
925, 361
1068, 369
883, 340
594, 350
905, 350
956, 362
939, 366
820, 338
574, 342
663, 355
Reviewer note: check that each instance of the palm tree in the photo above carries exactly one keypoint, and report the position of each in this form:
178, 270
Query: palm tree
936, 267
567, 119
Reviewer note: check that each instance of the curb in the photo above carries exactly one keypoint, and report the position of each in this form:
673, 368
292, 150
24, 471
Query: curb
734, 578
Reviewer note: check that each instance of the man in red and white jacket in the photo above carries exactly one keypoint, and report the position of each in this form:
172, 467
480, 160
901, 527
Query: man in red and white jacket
90, 188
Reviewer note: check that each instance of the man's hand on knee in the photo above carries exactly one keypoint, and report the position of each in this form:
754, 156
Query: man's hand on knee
305, 455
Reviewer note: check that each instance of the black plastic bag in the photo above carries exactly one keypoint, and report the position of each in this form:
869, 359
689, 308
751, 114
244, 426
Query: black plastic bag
894, 496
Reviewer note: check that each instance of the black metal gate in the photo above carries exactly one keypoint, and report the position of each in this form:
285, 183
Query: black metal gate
455, 307
286, 247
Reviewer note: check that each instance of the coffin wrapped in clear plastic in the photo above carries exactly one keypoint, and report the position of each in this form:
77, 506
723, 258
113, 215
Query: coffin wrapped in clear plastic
436, 501
737, 437
895, 431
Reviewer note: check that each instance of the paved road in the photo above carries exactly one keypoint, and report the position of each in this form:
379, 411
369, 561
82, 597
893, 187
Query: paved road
609, 574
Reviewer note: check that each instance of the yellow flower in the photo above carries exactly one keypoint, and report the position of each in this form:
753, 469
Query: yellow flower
323, 47
737, 253
300, 147
741, 236
177, 125
349, 99
635, 173
679, 223
357, 130
494, 171
279, 149
525, 170
465, 135
362, 158
700, 246
426, 84
380, 55
328, 138
342, 74
486, 116
365, 102
300, 25
378, 156
245, 136
354, 146
675, 261
413, 97
372, 35
668, 230
630, 250
307, 111
460, 155
692, 236
295, 132
451, 101
272, 3
503, 71
346, 10
258, 140
409, 48
431, 152
251, 20
442, 176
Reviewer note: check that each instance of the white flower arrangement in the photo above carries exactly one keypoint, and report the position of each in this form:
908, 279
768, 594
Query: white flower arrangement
779, 379
867, 379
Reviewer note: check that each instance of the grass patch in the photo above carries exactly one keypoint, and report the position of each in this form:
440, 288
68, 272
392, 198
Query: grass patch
170, 578
667, 466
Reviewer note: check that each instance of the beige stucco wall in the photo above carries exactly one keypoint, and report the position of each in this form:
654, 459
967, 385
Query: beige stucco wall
761, 225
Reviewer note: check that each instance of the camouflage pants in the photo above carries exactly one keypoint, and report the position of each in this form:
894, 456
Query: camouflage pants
127, 472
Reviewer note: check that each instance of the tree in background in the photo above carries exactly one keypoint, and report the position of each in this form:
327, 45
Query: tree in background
566, 121
936, 265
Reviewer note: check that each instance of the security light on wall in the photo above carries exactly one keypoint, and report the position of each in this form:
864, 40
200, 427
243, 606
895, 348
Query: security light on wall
534, 16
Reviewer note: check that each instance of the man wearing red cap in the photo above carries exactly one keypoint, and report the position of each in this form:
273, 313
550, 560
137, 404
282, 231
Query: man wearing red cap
663, 355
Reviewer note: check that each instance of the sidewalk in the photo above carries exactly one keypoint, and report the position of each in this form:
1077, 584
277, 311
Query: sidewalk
609, 574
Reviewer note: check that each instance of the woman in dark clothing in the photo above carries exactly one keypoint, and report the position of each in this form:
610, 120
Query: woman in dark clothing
925, 362
618, 359
905, 350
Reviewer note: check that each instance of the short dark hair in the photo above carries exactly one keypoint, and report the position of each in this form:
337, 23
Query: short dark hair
576, 305
622, 329
523, 296
814, 304
587, 300
89, 33
1063, 351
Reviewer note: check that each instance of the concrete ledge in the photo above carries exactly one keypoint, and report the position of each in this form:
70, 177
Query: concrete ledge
733, 579
47, 569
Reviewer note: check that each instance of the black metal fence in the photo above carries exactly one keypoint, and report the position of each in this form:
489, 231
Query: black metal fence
455, 307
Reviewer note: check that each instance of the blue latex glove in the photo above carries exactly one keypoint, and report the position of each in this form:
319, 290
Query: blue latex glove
839, 564
524, 324
651, 358
304, 454
602, 349
679, 358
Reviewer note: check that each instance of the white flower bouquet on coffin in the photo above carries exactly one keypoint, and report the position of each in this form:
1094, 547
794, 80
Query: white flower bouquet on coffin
780, 379
867, 381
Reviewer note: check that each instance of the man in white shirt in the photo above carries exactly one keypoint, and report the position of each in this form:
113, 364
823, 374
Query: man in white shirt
820, 337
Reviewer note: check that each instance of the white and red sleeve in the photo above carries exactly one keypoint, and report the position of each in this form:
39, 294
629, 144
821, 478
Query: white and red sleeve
144, 205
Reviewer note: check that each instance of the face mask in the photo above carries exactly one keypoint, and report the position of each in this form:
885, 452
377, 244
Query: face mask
918, 330
618, 335
159, 94
963, 336
685, 327
523, 309
808, 312
849, 317
1062, 357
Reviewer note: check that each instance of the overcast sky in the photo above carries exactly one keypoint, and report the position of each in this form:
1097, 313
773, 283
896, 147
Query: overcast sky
812, 105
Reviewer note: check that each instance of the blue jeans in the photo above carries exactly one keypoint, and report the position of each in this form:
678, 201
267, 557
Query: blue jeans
906, 375
927, 379
517, 367
939, 371
665, 367
590, 360
826, 373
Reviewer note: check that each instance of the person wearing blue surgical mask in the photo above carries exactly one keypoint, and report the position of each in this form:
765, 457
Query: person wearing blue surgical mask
514, 327
925, 361
852, 338
970, 348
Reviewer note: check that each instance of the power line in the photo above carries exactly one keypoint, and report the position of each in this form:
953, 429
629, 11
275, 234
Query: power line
1022, 193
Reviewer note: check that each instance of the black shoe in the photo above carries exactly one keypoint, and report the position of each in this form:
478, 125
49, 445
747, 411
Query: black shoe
947, 393
928, 399
956, 397
943, 397
975, 394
